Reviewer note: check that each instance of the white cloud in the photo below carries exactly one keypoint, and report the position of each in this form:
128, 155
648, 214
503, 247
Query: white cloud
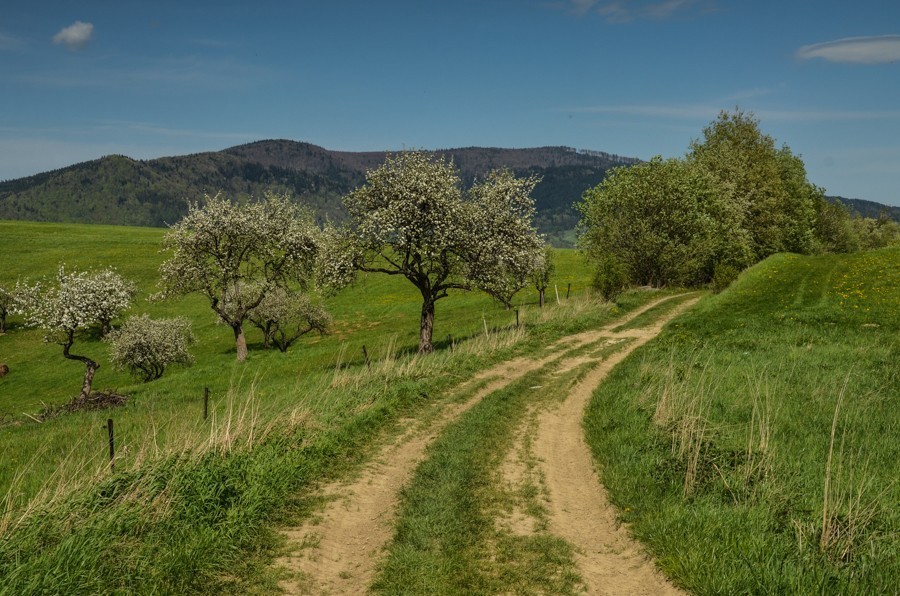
76, 36
855, 50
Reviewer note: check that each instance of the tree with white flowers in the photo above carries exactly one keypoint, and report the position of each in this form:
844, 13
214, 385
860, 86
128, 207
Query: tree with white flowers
145, 346
75, 302
541, 272
284, 317
411, 218
236, 254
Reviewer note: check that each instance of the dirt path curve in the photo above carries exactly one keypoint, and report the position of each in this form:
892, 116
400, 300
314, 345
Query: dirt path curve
610, 562
337, 551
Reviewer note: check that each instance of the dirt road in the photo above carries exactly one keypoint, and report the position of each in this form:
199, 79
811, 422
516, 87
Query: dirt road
337, 551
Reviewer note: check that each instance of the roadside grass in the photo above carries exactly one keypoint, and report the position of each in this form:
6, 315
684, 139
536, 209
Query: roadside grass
754, 445
192, 504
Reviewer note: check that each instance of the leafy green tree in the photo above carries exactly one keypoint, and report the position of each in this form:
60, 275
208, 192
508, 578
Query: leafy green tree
664, 222
146, 346
835, 231
235, 254
411, 219
75, 302
768, 185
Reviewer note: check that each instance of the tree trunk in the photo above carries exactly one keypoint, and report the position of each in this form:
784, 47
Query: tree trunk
240, 342
89, 365
541, 297
426, 328
3, 323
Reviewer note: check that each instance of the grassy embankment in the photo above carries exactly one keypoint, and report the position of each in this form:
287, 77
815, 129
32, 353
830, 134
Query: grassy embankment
192, 500
755, 445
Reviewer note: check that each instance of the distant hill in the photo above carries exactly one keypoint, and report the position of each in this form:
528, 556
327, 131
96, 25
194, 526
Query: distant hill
120, 190
869, 208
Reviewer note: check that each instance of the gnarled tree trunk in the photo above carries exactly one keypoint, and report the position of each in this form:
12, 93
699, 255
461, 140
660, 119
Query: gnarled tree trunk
89, 365
240, 342
426, 328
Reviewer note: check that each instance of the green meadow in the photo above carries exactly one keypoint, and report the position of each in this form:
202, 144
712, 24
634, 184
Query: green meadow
753, 446
379, 312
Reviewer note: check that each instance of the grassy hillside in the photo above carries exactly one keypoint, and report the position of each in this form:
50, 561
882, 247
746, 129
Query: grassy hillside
192, 501
381, 312
716, 441
755, 445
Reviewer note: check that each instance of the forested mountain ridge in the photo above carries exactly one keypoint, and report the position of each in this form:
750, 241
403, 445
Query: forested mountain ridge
120, 190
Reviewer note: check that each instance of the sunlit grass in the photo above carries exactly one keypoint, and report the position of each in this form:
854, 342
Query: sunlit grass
755, 444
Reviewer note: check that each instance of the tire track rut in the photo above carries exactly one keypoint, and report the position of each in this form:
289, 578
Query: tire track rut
337, 551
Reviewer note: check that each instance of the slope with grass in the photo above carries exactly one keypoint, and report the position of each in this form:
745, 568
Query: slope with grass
192, 503
755, 446
380, 312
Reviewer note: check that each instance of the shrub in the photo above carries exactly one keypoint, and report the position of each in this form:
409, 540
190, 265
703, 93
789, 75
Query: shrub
611, 277
146, 346
723, 275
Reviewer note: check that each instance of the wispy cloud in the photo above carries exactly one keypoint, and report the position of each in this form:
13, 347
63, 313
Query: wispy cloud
855, 50
188, 72
625, 11
164, 131
76, 36
9, 42
708, 112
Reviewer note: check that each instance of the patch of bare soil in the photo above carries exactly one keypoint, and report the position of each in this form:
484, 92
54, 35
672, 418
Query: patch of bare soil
609, 561
337, 551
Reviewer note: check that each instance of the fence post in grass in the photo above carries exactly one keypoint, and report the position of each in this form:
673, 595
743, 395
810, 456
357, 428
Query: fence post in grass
112, 445
205, 402
366, 356
556, 289
569, 289
517, 317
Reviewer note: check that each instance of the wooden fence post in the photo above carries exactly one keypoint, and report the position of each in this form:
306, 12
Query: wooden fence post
112, 445
569, 289
205, 402
366, 356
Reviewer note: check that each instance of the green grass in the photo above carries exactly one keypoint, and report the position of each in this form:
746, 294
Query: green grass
193, 504
447, 540
714, 439
380, 312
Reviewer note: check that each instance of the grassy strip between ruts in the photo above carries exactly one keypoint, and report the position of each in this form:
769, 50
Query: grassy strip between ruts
754, 446
451, 537
191, 523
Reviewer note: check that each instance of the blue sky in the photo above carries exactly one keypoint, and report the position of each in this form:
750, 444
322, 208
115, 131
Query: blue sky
85, 79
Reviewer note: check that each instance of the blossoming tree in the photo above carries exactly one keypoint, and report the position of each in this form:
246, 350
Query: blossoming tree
412, 218
236, 254
77, 301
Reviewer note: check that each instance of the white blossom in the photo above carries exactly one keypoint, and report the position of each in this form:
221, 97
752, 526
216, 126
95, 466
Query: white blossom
235, 254
146, 346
